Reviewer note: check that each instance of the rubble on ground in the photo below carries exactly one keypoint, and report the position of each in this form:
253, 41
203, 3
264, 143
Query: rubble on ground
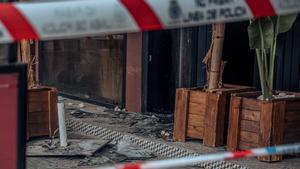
84, 152
131, 151
142, 124
76, 147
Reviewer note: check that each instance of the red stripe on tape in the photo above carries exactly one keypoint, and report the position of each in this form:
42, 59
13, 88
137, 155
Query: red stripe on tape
143, 14
130, 166
16, 23
241, 154
261, 8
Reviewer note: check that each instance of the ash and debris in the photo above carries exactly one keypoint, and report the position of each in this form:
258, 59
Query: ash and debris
150, 125
141, 124
109, 154
52, 148
132, 152
146, 125
279, 95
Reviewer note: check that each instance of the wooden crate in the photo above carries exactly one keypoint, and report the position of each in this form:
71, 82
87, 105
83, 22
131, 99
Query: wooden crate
42, 117
203, 115
255, 123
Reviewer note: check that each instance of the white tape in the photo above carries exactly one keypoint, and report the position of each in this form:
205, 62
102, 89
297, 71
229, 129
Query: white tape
286, 6
177, 13
190, 161
4, 34
78, 18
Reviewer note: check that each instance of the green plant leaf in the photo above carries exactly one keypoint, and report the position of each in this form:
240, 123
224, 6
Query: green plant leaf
285, 22
254, 34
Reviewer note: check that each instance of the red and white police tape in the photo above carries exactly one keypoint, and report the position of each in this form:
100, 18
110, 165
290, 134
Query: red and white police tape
189, 161
78, 18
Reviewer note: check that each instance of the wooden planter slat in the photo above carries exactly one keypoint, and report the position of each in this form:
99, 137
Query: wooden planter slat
196, 109
42, 112
249, 137
245, 145
214, 123
195, 131
194, 120
255, 123
203, 115
250, 115
53, 111
182, 102
198, 98
250, 126
233, 126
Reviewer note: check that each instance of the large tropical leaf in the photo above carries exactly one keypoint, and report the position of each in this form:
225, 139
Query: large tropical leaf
285, 22
267, 27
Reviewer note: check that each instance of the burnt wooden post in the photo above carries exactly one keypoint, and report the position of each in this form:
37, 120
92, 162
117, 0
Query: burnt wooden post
134, 72
216, 56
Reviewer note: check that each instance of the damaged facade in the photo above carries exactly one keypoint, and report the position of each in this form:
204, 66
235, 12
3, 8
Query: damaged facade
141, 71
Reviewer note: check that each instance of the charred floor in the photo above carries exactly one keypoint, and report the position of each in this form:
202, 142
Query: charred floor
151, 127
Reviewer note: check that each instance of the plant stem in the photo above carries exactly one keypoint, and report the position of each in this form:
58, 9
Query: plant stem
273, 54
261, 59
261, 72
265, 61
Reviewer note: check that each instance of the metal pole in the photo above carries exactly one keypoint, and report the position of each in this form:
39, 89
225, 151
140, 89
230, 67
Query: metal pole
62, 123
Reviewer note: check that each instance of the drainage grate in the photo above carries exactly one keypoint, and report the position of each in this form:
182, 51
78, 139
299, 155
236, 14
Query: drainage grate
158, 148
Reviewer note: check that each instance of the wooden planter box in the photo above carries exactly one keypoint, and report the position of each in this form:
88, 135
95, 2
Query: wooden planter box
255, 123
203, 115
42, 117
